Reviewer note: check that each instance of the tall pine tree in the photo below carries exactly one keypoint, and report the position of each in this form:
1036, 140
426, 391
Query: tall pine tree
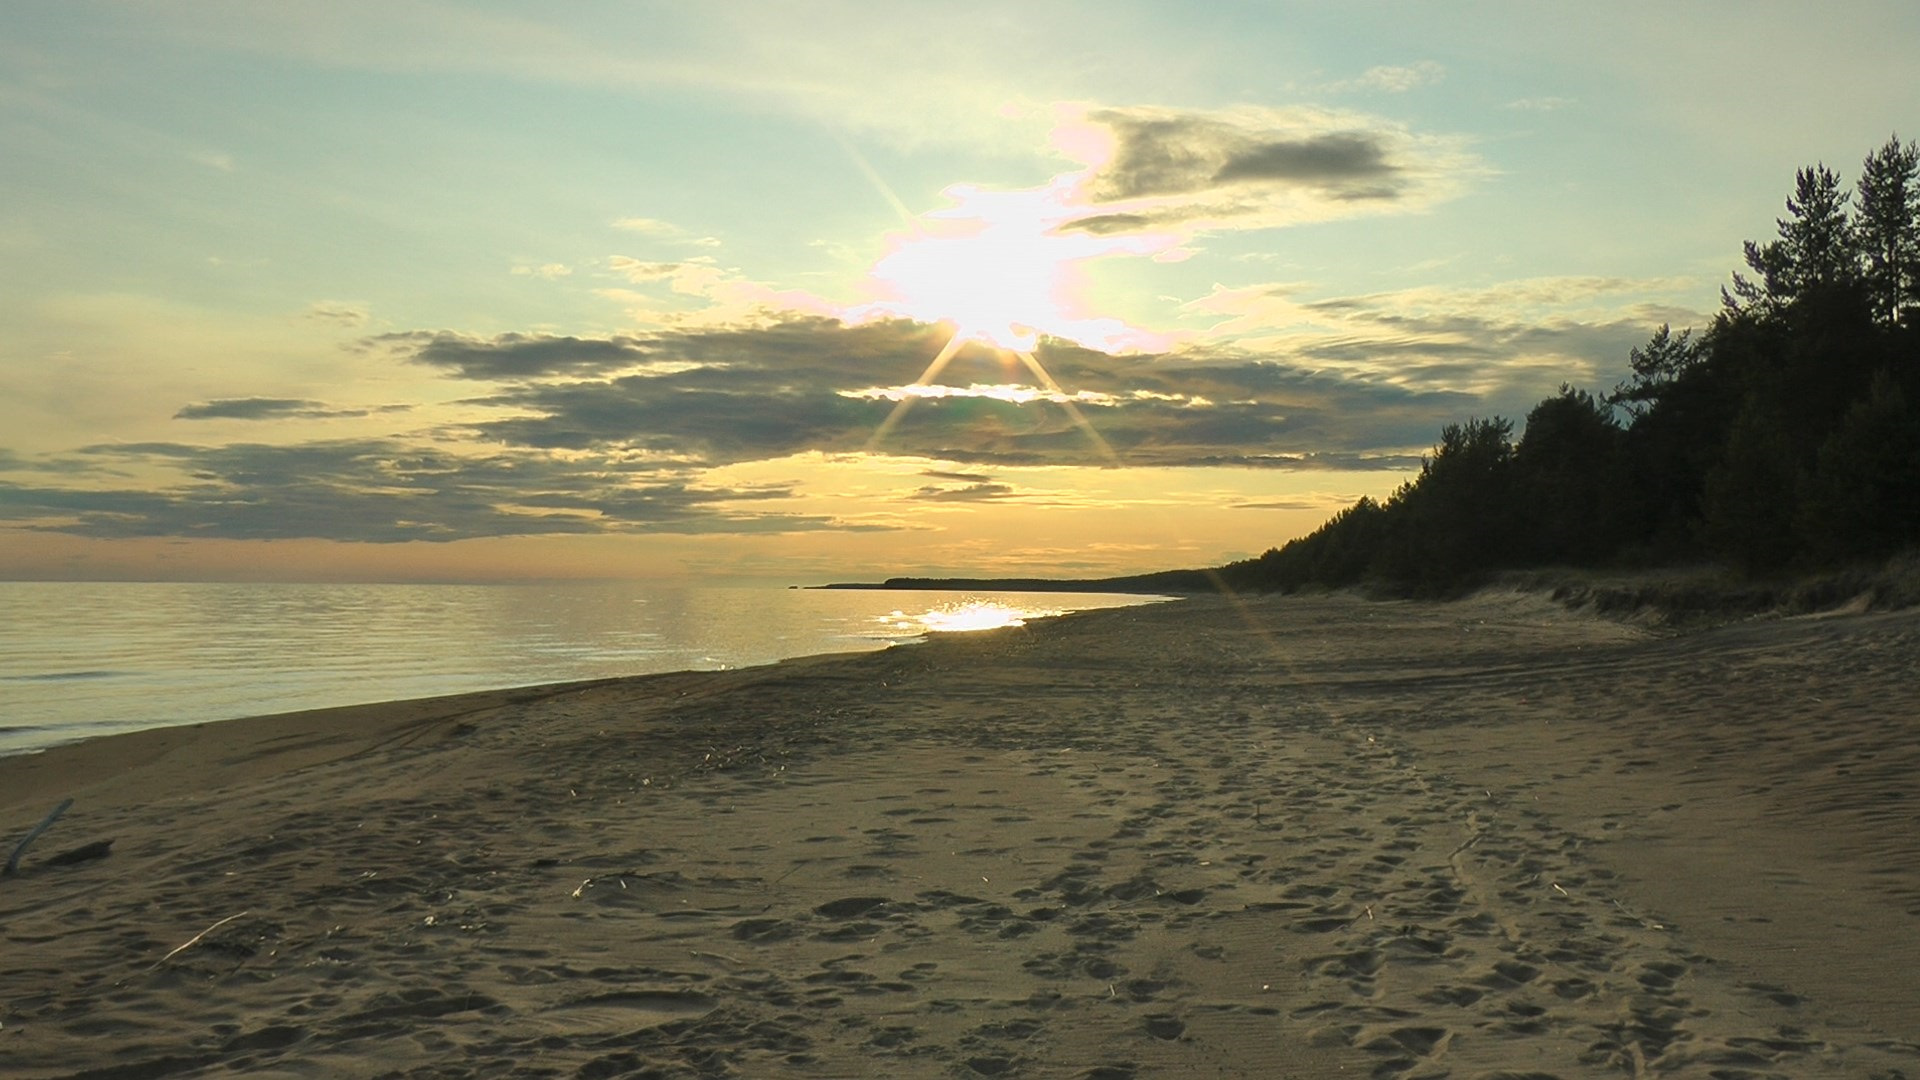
1887, 229
1815, 250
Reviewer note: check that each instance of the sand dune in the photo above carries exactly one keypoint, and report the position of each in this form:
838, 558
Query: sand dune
1286, 837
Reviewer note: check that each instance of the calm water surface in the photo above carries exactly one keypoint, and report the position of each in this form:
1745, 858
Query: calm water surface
83, 659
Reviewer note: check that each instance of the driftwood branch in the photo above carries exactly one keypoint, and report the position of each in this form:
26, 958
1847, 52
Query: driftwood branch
195, 939
13, 862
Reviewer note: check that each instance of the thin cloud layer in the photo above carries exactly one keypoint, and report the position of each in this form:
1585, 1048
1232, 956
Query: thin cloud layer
983, 492
257, 408
1496, 343
247, 409
1397, 79
386, 491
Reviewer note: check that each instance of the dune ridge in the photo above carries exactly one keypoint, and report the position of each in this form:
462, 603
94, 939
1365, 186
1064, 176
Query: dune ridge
1272, 837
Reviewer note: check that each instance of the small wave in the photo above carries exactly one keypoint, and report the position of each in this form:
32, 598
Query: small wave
19, 739
61, 676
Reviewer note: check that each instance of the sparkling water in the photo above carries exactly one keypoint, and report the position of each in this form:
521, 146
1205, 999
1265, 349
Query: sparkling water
84, 659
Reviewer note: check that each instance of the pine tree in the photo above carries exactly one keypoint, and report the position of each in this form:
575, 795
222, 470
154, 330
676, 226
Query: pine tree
1887, 230
1656, 365
1815, 250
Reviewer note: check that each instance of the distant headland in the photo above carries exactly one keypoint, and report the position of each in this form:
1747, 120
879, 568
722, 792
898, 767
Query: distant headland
1159, 582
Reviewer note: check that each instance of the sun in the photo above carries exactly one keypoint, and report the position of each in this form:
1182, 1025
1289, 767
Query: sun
1002, 268
988, 265
999, 267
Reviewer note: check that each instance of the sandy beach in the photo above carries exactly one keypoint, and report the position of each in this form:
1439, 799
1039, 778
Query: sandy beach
1279, 837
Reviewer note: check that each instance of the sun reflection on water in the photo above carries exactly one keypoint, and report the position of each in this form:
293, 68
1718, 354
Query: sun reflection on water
963, 616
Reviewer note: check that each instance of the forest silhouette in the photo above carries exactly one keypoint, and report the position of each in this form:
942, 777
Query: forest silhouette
1781, 439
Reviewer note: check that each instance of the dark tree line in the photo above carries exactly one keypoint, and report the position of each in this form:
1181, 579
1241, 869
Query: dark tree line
1785, 437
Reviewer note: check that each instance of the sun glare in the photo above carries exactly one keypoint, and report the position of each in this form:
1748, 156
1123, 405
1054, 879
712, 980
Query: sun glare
1003, 269
998, 279
964, 617
997, 267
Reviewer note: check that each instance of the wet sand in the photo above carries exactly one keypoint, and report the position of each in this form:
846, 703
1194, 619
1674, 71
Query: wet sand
1279, 838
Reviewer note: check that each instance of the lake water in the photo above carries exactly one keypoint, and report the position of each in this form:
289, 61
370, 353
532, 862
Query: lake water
84, 659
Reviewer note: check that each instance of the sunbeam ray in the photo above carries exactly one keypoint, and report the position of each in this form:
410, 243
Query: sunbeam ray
879, 184
1073, 411
939, 364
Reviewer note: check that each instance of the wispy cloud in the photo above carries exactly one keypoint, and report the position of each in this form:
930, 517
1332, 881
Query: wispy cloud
957, 477
338, 312
1500, 343
701, 292
796, 60
981, 492
664, 230
1312, 501
1393, 79
646, 226
257, 408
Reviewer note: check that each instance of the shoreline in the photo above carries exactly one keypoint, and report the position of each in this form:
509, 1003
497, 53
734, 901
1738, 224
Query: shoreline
1168, 840
136, 679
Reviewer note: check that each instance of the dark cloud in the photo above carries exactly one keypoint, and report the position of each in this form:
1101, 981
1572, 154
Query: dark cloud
1375, 193
674, 416
1336, 159
1161, 152
960, 477
717, 397
818, 386
749, 394
1107, 224
337, 312
969, 493
245, 409
793, 348
515, 356
381, 491
257, 408
1260, 168
1159, 155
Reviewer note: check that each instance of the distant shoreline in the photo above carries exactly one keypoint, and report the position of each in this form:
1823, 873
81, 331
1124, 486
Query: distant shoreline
1676, 597
1162, 582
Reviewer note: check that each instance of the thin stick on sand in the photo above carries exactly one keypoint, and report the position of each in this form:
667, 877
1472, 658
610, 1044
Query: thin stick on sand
195, 939
13, 862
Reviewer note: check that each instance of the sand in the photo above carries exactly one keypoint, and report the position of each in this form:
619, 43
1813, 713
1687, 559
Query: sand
1277, 838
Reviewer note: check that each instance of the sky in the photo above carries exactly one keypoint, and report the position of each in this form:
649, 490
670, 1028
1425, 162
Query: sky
800, 292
